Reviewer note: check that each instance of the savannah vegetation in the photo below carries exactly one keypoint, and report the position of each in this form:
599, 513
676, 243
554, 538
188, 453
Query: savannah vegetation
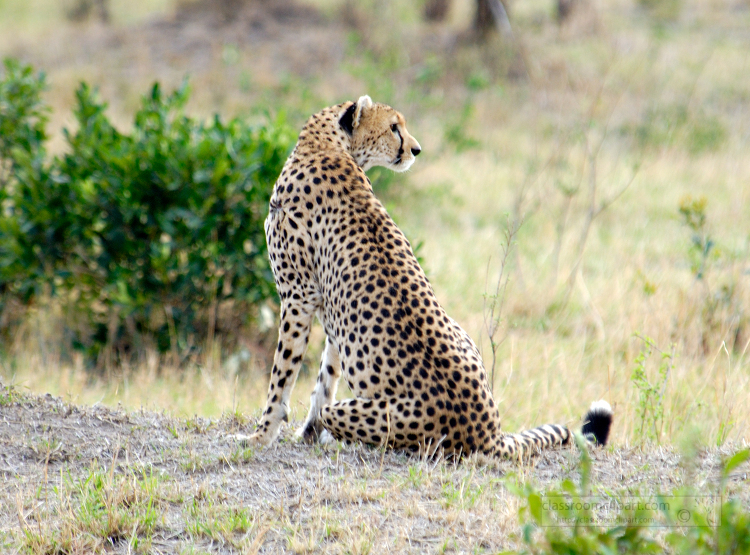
581, 208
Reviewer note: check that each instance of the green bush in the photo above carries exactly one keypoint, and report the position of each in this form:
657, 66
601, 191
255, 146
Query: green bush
692, 528
22, 134
144, 235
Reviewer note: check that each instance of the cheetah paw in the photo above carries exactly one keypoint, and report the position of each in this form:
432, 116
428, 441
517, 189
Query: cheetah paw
310, 432
254, 440
326, 438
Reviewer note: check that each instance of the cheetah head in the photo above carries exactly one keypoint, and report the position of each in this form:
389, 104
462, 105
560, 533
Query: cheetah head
379, 136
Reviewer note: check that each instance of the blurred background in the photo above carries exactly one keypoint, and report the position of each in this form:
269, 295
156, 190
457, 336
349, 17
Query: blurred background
582, 204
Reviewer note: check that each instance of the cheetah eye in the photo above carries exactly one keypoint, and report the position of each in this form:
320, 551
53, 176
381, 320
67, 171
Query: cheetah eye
394, 128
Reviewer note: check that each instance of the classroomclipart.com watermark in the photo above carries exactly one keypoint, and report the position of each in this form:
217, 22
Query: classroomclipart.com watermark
659, 511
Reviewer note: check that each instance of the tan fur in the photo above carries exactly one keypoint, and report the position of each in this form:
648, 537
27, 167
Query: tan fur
417, 377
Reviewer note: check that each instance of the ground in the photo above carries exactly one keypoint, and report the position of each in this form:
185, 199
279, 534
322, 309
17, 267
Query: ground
111, 480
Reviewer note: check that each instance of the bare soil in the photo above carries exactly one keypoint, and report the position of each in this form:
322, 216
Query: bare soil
296, 498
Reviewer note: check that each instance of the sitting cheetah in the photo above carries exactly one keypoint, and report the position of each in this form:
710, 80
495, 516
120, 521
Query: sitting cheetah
417, 377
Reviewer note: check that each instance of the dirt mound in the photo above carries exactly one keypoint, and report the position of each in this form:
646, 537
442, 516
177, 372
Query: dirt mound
95, 478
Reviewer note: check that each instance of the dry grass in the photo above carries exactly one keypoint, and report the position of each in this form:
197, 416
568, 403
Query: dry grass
91, 479
618, 96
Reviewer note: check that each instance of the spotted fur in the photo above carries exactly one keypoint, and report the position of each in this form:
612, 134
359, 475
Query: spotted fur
417, 377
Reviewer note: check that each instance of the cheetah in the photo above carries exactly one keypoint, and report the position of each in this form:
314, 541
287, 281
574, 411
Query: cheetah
417, 377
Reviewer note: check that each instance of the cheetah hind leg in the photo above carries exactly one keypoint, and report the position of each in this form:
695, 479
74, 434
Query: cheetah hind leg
359, 419
379, 423
323, 394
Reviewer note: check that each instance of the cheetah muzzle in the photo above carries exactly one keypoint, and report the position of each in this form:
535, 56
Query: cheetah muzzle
417, 377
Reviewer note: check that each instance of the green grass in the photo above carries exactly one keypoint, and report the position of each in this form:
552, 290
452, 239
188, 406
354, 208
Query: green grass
101, 508
205, 518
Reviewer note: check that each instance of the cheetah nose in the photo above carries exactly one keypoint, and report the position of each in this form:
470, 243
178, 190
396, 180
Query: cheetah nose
416, 151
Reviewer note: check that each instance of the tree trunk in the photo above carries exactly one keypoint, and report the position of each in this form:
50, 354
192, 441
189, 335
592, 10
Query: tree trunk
484, 22
564, 10
490, 16
436, 10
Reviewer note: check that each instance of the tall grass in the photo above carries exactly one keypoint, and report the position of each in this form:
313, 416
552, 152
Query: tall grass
617, 97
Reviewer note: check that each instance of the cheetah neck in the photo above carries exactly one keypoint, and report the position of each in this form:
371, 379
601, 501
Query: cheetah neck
322, 132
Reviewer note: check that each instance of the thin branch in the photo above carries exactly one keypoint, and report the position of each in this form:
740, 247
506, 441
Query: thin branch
592, 214
594, 211
493, 304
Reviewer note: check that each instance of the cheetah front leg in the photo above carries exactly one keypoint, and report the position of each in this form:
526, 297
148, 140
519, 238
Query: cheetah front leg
324, 392
294, 331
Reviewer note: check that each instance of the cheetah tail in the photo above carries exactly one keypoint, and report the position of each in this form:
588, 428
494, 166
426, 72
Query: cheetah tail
596, 425
597, 422
524, 444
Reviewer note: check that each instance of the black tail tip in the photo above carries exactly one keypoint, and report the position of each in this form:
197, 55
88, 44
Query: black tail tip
597, 422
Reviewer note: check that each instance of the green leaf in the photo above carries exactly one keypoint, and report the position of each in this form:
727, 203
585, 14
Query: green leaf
535, 507
735, 460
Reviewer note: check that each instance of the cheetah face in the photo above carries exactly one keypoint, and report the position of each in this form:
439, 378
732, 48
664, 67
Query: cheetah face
379, 136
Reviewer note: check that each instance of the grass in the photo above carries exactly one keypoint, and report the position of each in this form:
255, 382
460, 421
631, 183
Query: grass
88, 513
546, 129
39, 16
209, 519
117, 484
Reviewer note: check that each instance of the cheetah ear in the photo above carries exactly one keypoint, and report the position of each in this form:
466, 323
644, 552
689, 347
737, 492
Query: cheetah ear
364, 103
349, 121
